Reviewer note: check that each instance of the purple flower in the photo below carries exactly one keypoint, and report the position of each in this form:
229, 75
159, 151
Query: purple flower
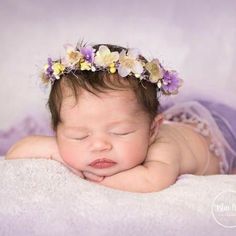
49, 69
49, 61
171, 82
88, 53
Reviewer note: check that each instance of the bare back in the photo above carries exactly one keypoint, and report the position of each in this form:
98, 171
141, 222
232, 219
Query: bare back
188, 147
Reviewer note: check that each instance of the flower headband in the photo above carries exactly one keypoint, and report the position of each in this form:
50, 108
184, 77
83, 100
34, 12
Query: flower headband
126, 63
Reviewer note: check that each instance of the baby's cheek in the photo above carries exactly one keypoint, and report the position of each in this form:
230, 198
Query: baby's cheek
68, 156
134, 154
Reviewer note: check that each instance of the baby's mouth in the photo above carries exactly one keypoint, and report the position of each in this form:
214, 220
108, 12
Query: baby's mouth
102, 163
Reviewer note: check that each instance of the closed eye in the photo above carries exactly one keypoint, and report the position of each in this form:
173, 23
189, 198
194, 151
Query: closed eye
80, 138
123, 133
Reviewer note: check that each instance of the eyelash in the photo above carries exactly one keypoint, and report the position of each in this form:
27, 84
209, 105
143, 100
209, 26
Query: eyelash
119, 134
81, 138
123, 134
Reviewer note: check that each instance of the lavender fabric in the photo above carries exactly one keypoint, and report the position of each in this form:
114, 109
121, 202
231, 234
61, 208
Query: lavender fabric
31, 124
225, 117
219, 116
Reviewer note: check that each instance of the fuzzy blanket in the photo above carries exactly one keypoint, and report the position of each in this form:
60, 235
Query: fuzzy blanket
42, 197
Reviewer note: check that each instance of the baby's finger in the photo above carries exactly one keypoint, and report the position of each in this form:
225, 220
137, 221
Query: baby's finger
92, 177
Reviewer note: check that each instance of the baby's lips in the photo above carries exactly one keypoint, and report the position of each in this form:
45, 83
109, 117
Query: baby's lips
102, 163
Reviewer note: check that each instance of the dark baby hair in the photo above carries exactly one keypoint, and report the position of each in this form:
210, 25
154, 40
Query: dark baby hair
100, 82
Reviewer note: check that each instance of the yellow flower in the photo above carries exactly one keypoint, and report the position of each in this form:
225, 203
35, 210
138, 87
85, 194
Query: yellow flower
112, 68
58, 69
155, 70
85, 65
105, 58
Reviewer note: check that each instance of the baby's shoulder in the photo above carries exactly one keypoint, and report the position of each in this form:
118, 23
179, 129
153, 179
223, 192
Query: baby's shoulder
178, 142
166, 147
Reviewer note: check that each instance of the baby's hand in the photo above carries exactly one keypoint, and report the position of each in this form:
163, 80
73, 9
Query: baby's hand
92, 177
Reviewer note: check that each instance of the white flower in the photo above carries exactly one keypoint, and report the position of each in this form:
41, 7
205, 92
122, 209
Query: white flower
155, 70
105, 58
129, 63
72, 56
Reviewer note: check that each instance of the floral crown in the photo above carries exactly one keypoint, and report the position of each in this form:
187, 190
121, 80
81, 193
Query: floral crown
128, 62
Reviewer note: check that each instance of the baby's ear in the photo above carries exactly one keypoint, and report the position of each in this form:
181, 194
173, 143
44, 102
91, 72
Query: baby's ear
155, 126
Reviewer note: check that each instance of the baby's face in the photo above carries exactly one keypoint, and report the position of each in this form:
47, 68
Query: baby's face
105, 134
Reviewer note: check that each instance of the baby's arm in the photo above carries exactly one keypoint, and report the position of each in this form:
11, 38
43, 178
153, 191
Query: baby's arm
44, 147
153, 176
159, 171
34, 147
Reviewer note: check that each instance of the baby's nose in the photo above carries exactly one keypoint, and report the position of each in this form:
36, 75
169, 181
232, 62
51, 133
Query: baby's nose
101, 144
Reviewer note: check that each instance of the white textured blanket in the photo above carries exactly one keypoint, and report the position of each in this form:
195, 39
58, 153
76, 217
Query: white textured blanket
42, 197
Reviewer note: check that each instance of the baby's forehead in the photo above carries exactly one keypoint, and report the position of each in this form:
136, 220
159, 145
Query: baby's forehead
70, 98
116, 103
